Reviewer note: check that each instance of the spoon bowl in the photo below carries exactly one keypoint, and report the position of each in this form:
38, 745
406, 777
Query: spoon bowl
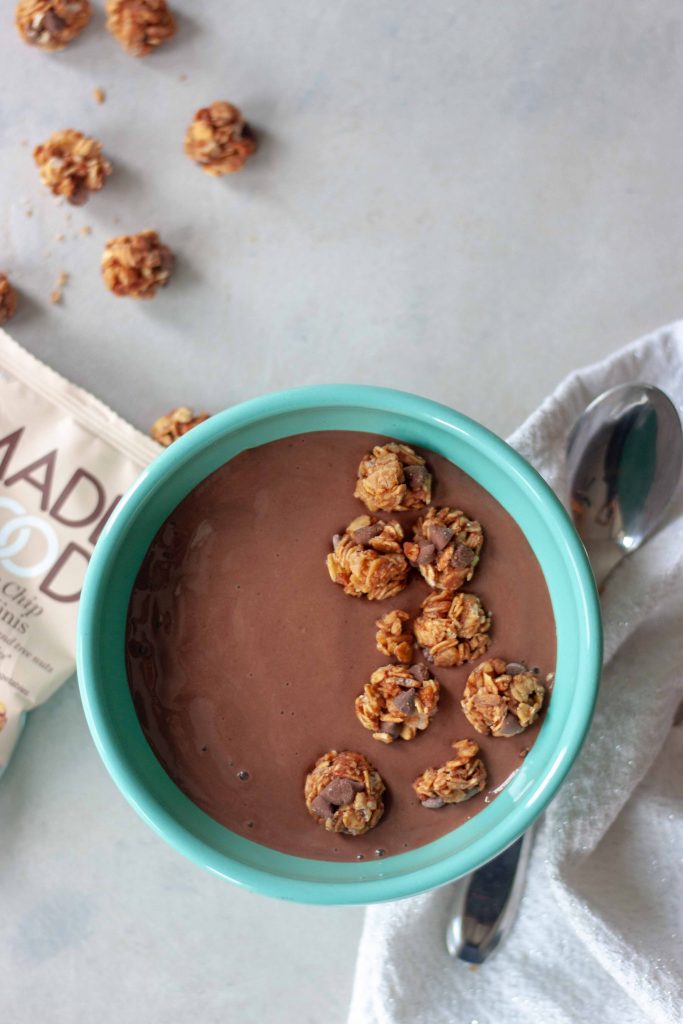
624, 458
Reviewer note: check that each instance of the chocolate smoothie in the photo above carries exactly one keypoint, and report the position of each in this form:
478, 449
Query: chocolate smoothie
245, 659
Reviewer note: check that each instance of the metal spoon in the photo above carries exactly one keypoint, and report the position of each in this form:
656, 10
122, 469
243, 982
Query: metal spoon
624, 458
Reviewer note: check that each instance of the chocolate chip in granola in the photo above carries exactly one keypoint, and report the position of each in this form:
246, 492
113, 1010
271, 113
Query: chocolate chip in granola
432, 803
440, 536
52, 23
404, 702
511, 726
79, 197
427, 552
420, 672
338, 792
390, 728
515, 668
366, 533
462, 557
415, 476
321, 806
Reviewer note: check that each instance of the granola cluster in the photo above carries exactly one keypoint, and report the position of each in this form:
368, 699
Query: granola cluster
393, 478
136, 265
502, 699
175, 423
219, 139
140, 25
395, 637
398, 703
452, 628
367, 560
343, 793
458, 779
51, 24
71, 165
446, 547
8, 299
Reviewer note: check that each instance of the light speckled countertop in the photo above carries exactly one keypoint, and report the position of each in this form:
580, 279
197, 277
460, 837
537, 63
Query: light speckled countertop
464, 200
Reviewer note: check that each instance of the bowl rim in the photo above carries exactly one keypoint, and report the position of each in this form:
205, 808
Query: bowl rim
382, 887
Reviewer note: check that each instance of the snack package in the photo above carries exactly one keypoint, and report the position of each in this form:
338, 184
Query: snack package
65, 460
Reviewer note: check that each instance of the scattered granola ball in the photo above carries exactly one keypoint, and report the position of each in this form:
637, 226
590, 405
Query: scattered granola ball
140, 25
71, 165
446, 547
393, 478
3, 716
393, 638
174, 424
458, 779
219, 139
8, 299
502, 699
136, 265
367, 559
398, 702
452, 628
344, 793
51, 24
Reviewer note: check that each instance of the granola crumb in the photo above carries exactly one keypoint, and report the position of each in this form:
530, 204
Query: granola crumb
99, 95
219, 139
394, 636
71, 165
452, 628
343, 793
62, 279
502, 699
29, 212
367, 560
398, 702
8, 299
393, 478
446, 547
455, 781
136, 265
140, 26
60, 237
56, 297
167, 429
51, 24
182, 78
86, 230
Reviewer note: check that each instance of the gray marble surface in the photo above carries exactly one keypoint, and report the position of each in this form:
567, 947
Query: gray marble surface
463, 200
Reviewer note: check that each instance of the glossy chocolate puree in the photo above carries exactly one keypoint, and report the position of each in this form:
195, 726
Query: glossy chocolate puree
244, 658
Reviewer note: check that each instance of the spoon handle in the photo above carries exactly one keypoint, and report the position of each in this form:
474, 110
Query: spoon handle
486, 902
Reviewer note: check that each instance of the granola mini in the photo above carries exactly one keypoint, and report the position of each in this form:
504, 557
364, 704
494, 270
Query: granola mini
398, 702
455, 781
71, 165
395, 636
8, 299
452, 628
367, 559
393, 478
343, 793
140, 25
502, 698
136, 265
219, 139
167, 429
51, 24
445, 548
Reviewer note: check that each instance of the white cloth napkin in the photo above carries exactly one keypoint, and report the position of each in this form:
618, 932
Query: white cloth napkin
600, 932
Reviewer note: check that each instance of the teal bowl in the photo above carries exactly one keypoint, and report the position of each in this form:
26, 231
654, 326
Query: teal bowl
122, 547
